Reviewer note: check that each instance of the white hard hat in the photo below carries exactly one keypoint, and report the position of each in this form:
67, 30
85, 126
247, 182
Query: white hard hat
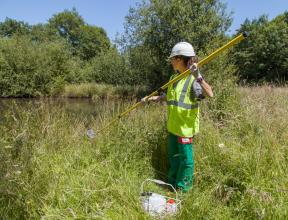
182, 49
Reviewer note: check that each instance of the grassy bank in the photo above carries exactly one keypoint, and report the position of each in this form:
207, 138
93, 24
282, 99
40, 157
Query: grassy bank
50, 170
102, 91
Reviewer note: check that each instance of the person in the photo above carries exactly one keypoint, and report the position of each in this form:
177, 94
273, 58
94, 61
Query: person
183, 114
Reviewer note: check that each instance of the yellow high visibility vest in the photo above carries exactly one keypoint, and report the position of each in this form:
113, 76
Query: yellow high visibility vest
183, 110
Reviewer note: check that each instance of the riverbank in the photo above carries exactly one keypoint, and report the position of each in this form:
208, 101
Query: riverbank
102, 91
93, 91
51, 170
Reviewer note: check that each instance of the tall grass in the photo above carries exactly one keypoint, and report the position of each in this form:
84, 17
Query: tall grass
51, 170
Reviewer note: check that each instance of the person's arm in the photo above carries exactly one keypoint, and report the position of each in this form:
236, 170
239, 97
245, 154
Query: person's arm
207, 90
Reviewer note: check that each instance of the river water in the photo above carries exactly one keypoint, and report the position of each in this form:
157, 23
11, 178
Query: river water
85, 109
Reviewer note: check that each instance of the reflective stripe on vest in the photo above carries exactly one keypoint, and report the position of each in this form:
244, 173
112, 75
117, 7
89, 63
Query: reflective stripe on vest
183, 105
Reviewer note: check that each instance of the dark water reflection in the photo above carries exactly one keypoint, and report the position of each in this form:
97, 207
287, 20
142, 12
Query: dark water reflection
85, 109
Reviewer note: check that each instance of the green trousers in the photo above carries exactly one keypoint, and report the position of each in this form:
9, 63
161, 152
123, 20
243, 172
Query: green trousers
181, 168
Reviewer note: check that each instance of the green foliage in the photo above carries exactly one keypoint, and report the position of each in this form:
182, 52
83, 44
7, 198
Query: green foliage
67, 24
159, 25
92, 41
43, 33
83, 53
87, 41
40, 59
263, 56
12, 27
109, 68
144, 67
220, 74
30, 69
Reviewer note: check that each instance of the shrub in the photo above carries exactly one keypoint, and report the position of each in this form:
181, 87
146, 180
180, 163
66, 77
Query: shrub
30, 69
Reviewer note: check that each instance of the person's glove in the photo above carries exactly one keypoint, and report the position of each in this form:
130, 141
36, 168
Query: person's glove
195, 71
153, 98
145, 99
193, 68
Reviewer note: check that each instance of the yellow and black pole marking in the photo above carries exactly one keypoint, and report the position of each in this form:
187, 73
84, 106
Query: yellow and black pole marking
180, 76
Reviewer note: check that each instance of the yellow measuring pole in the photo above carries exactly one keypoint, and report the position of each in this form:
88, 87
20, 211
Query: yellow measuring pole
180, 76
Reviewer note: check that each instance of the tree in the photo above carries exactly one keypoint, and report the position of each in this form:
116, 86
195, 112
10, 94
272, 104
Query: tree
108, 68
35, 69
263, 56
67, 24
87, 41
42, 33
153, 27
10, 27
157, 25
92, 41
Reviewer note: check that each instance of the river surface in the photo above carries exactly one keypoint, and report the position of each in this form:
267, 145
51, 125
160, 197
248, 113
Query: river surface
85, 109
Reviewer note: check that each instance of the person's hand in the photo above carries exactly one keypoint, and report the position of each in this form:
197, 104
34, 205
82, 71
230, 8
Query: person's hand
144, 99
155, 98
194, 67
195, 71
152, 98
